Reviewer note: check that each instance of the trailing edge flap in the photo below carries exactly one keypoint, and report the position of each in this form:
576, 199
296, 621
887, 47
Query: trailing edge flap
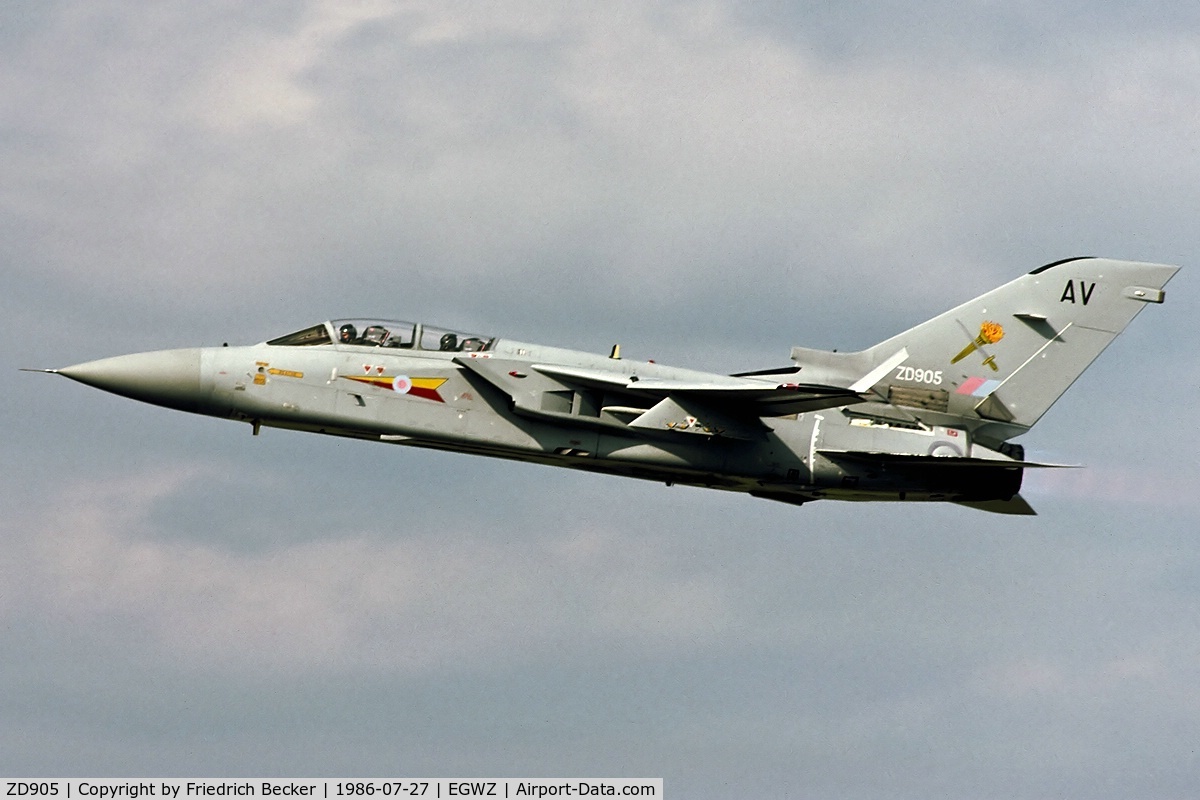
687, 415
947, 462
736, 395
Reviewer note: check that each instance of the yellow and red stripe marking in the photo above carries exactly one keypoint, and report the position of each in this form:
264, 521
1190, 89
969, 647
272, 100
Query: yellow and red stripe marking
418, 387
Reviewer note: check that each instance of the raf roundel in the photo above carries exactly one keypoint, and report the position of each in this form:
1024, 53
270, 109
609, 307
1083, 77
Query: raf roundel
402, 384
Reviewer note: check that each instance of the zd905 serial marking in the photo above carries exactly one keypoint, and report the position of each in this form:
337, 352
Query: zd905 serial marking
917, 375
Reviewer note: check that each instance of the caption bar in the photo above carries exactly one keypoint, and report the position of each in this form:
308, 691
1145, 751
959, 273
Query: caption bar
177, 789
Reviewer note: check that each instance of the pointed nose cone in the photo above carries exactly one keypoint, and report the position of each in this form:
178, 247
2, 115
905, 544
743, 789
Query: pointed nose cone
168, 378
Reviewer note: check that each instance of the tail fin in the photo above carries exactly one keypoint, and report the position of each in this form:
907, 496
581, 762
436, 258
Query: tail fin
1006, 356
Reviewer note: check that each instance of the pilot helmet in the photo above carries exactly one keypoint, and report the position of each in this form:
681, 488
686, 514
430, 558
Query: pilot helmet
347, 333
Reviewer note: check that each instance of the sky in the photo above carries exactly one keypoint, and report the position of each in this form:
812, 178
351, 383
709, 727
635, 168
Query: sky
706, 183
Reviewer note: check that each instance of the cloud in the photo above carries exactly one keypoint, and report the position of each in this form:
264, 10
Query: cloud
1132, 673
412, 602
260, 78
665, 152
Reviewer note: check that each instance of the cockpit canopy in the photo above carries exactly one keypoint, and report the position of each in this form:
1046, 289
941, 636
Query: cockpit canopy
385, 333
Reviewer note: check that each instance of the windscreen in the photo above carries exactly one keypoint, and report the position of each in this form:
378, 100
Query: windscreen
317, 334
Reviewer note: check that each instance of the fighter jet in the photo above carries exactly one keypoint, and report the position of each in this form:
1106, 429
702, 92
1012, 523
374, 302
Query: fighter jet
927, 415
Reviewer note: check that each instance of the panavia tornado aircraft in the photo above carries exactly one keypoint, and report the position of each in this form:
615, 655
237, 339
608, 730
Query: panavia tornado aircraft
926, 415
